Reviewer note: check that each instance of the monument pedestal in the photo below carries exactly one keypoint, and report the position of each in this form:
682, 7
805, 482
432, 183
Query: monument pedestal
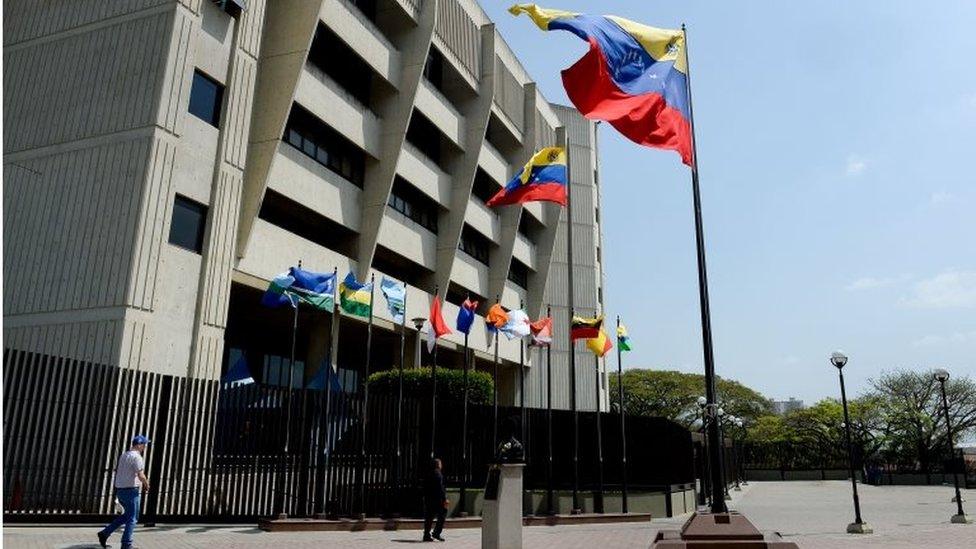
719, 531
501, 521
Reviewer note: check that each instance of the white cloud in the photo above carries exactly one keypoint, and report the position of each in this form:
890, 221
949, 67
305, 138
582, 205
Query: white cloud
870, 283
950, 289
856, 165
941, 197
934, 340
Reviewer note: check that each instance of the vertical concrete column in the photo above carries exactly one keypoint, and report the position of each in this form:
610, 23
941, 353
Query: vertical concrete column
476, 113
395, 112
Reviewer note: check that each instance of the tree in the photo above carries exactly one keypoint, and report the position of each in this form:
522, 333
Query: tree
911, 406
674, 395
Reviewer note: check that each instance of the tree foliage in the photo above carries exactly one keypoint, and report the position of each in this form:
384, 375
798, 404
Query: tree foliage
450, 384
674, 395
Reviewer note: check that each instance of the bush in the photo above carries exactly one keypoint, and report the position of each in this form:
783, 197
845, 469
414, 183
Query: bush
450, 384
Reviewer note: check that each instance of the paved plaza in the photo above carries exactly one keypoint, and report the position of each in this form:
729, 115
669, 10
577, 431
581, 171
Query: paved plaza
814, 514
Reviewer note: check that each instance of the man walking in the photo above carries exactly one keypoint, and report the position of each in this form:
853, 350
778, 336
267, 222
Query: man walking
130, 480
435, 502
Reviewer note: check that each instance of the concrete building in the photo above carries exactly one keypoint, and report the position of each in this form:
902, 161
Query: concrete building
782, 407
164, 159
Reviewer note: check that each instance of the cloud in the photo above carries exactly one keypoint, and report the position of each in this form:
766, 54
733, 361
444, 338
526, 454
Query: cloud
935, 340
871, 283
856, 165
950, 289
941, 197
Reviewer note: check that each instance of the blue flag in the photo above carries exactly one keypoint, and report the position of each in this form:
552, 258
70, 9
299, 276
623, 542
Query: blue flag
316, 289
396, 298
465, 317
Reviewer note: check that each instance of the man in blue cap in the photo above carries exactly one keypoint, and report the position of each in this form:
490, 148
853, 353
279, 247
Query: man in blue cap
130, 480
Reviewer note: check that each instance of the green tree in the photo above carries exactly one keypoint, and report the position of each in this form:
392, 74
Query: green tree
674, 395
913, 421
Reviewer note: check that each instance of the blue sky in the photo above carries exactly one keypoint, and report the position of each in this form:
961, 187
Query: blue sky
837, 143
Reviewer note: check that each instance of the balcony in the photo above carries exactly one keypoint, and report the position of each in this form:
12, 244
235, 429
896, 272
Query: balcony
324, 98
493, 163
470, 273
408, 238
304, 180
481, 218
424, 174
359, 32
441, 112
524, 251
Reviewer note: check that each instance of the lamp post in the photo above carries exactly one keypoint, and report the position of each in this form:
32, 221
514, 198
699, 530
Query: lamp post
703, 495
720, 418
839, 359
960, 517
736, 422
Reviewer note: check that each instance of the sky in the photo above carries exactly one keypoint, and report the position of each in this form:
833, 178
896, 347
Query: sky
837, 153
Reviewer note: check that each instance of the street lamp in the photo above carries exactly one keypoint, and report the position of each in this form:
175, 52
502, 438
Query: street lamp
839, 359
703, 494
721, 419
736, 452
960, 517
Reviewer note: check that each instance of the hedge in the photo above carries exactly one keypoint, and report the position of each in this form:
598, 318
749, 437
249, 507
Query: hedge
450, 384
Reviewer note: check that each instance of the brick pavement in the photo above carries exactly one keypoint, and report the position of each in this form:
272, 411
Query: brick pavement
814, 514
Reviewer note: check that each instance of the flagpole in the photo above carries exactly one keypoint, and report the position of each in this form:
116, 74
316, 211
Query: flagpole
715, 455
522, 385
562, 141
364, 416
598, 502
433, 384
333, 351
280, 503
549, 507
623, 430
494, 398
464, 430
399, 414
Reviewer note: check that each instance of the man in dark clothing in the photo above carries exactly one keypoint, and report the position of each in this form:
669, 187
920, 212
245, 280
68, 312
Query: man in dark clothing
435, 502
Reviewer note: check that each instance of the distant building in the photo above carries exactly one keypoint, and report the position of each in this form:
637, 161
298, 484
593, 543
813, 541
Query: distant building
782, 407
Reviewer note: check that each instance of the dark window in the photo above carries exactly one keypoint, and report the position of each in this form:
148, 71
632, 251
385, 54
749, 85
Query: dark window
367, 7
414, 204
206, 95
599, 296
596, 214
324, 145
188, 223
474, 244
336, 59
596, 177
519, 273
423, 134
295, 218
434, 68
599, 255
484, 186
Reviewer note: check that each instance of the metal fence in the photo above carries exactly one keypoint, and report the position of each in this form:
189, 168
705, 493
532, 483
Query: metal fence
217, 451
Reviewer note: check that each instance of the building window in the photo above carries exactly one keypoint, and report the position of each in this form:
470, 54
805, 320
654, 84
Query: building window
599, 255
519, 274
484, 186
434, 68
599, 296
413, 204
206, 95
188, 223
424, 135
474, 244
596, 215
321, 143
342, 64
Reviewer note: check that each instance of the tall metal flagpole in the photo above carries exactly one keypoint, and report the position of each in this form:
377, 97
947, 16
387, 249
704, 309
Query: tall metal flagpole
561, 141
282, 475
399, 415
598, 503
494, 398
623, 428
549, 502
433, 385
332, 369
714, 443
522, 386
364, 416
464, 430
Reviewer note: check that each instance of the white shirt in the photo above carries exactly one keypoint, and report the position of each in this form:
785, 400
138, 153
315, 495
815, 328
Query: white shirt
127, 470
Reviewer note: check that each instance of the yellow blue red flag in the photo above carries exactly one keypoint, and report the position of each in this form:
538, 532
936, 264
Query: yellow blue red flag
542, 179
634, 76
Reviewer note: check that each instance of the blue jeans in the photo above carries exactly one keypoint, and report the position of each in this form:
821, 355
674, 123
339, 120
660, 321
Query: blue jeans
129, 498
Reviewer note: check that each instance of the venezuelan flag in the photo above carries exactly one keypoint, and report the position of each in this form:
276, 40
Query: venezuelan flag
585, 328
542, 179
634, 76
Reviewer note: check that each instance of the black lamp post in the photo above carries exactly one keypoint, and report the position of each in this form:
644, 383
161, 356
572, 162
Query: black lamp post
960, 517
703, 495
839, 359
720, 418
